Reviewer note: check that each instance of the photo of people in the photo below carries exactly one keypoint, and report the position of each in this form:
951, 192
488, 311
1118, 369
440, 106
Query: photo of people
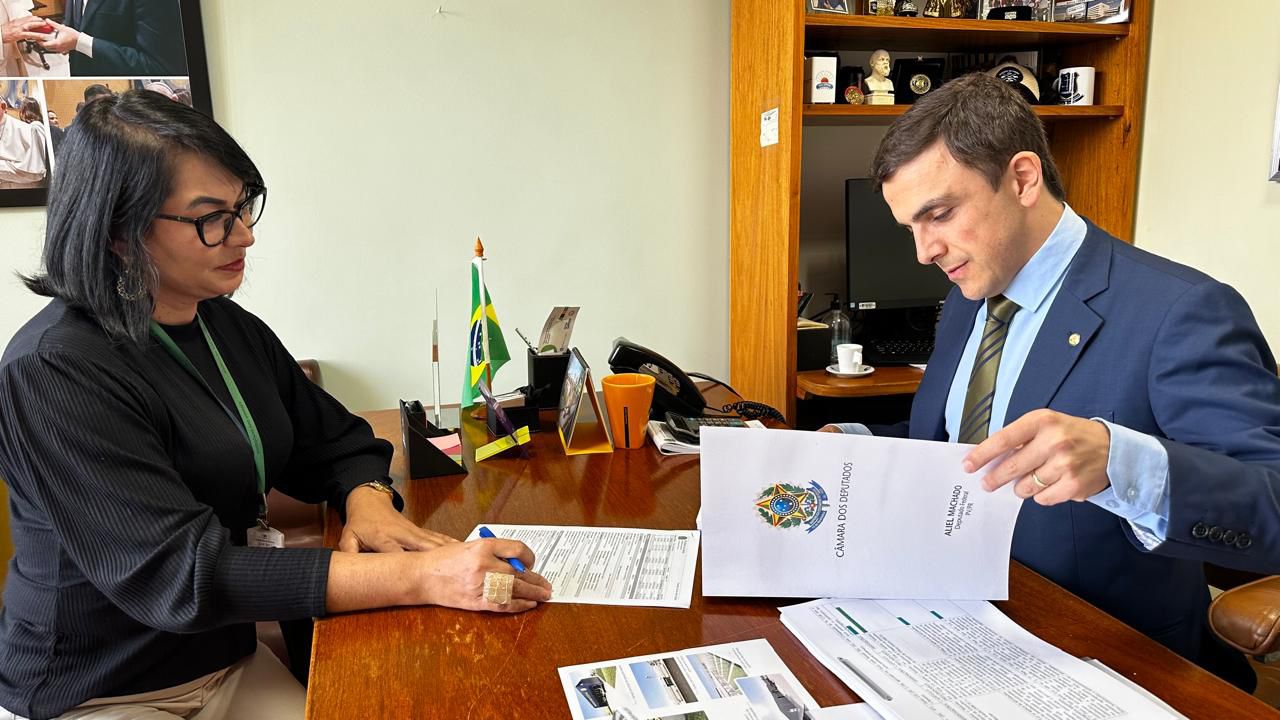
23, 26
24, 137
93, 38
57, 55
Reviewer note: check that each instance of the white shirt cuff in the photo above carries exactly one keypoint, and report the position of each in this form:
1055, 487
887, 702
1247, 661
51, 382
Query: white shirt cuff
84, 43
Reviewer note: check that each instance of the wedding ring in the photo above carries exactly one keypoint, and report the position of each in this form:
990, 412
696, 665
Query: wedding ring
1036, 479
497, 587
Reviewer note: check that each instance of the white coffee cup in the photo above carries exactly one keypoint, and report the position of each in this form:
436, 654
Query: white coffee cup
850, 357
1074, 85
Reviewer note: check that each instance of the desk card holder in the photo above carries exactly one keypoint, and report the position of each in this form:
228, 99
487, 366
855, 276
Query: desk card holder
546, 378
425, 460
512, 438
580, 434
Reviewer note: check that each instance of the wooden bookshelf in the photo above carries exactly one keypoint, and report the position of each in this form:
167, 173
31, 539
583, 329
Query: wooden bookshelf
885, 114
1096, 147
824, 31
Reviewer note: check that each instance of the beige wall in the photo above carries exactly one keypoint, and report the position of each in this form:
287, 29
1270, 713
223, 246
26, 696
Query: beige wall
586, 142
1203, 198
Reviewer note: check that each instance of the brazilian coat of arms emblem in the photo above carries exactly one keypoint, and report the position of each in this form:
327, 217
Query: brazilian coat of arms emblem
784, 505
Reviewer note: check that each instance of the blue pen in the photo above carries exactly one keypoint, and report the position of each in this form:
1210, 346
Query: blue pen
514, 562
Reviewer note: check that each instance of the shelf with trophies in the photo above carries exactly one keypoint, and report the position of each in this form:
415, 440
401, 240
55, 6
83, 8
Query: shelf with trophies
792, 147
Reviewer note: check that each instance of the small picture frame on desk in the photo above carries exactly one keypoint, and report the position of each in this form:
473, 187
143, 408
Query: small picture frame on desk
836, 7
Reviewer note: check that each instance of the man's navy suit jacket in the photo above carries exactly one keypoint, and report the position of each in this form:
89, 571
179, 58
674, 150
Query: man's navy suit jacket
134, 38
1168, 351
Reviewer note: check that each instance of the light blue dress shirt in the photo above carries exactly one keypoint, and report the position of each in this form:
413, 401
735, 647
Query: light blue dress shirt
1138, 465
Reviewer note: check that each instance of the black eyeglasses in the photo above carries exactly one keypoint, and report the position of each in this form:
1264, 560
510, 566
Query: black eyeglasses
248, 210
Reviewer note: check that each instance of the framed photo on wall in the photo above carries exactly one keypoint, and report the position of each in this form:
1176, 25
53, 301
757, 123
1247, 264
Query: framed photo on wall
47, 76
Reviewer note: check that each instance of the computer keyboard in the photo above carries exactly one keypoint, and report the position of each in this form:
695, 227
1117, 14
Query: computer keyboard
896, 351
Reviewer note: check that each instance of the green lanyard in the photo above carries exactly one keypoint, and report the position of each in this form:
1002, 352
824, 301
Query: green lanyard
246, 426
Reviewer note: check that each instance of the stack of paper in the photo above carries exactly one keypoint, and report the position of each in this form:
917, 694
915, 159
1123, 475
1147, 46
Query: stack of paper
958, 661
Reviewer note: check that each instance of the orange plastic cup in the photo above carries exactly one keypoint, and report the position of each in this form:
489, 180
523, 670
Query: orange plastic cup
628, 397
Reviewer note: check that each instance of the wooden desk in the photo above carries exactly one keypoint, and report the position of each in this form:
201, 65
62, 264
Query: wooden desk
884, 381
439, 663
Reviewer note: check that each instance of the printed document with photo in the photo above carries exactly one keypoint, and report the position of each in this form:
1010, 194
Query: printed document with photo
958, 661
610, 566
736, 681
805, 514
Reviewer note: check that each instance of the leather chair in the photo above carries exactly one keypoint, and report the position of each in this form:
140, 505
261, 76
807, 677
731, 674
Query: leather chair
1247, 617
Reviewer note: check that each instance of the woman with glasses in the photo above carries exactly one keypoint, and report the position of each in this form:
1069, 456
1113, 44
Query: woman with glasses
143, 417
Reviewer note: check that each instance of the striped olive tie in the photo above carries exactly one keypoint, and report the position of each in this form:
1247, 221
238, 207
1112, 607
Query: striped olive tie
986, 363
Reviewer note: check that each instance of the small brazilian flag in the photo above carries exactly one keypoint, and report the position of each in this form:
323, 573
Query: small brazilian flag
476, 356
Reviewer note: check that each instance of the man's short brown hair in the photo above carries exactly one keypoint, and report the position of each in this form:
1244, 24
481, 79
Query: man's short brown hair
983, 122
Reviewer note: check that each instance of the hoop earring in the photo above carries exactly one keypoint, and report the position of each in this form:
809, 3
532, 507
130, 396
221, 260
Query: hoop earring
134, 293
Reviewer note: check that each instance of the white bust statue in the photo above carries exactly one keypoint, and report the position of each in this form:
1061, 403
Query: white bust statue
879, 86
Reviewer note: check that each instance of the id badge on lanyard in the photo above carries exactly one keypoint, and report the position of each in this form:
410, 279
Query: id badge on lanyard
262, 534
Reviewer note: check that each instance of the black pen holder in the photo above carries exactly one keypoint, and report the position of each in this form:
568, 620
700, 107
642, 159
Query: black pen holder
524, 414
546, 378
424, 459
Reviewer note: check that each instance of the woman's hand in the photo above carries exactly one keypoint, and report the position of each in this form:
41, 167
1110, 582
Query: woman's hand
453, 576
374, 525
21, 29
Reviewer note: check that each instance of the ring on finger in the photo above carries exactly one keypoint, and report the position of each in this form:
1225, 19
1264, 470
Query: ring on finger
497, 587
1039, 483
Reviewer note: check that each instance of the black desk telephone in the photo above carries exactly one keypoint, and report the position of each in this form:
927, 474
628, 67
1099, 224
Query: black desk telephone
673, 390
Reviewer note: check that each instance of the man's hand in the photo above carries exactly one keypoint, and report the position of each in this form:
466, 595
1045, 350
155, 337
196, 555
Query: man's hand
1068, 455
63, 40
22, 29
374, 525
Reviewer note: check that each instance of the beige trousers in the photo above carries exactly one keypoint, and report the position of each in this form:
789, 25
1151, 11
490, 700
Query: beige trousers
258, 687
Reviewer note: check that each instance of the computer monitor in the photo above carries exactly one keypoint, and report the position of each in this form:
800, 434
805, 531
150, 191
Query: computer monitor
881, 256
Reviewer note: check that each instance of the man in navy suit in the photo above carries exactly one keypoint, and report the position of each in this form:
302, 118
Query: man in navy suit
132, 38
1136, 398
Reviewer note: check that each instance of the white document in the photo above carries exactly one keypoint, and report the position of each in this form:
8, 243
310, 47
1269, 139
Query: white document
806, 514
738, 681
856, 711
769, 127
610, 566
957, 661
1135, 687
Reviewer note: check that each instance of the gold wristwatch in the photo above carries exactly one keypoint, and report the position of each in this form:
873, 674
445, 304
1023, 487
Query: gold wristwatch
381, 486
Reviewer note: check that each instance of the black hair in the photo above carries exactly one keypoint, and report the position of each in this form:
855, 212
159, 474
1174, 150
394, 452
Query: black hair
982, 121
115, 171
96, 90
